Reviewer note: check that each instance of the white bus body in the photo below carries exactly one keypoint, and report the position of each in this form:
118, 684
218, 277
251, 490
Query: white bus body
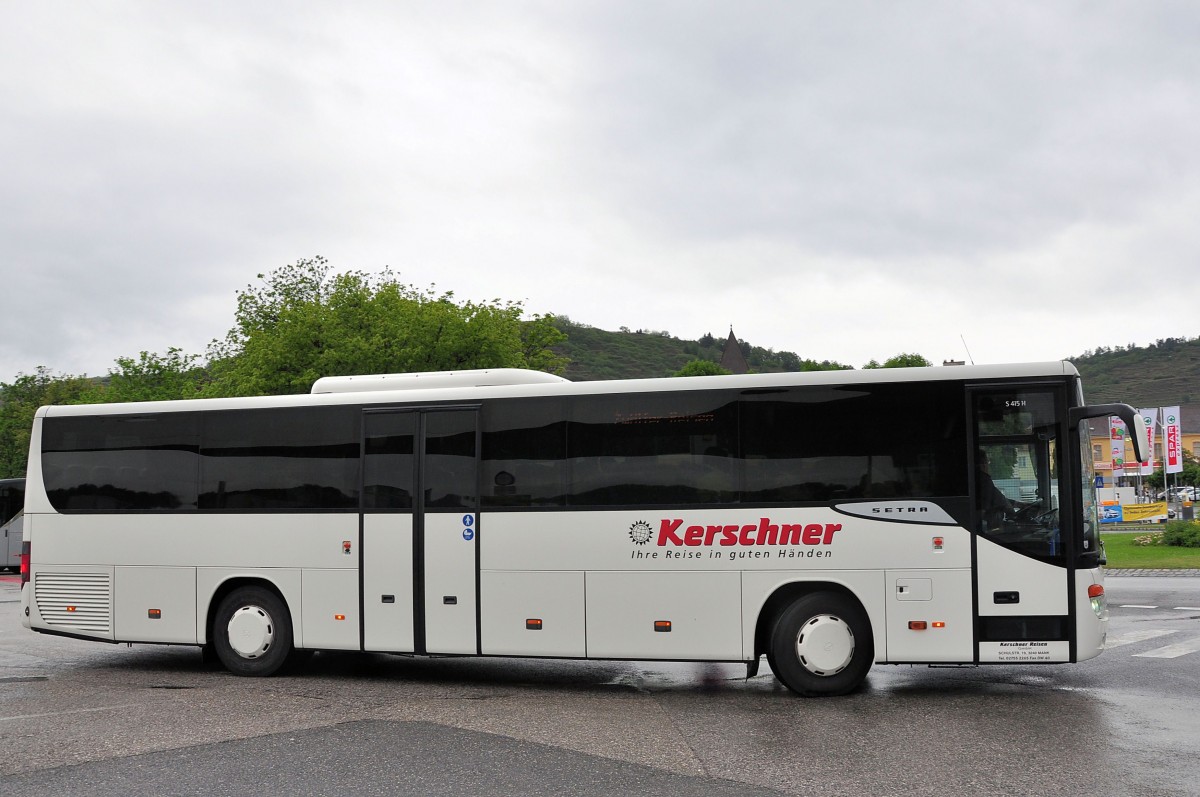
711, 518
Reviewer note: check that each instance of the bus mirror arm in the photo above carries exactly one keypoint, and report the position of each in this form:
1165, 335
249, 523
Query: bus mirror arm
1134, 422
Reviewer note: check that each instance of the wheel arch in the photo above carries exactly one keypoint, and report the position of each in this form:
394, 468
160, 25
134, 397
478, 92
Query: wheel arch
230, 583
786, 594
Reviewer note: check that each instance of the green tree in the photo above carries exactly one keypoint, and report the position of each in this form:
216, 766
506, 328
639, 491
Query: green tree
19, 402
701, 368
155, 377
901, 361
305, 322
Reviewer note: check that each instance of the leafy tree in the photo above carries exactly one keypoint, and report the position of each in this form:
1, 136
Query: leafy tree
155, 377
701, 368
901, 361
19, 402
305, 322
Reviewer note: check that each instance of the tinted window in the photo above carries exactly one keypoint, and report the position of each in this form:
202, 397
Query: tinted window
826, 443
653, 448
121, 462
524, 450
292, 458
388, 464
449, 475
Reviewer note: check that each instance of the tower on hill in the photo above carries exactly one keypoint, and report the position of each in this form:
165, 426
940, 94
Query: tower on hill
732, 359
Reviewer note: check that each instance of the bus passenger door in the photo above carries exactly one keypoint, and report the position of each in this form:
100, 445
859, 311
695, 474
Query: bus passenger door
1022, 524
418, 530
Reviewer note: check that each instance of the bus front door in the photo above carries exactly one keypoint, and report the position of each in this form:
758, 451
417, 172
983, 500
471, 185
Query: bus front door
419, 550
1020, 511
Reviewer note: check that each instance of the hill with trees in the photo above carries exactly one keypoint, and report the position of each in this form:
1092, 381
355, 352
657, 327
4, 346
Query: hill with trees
1165, 373
637, 354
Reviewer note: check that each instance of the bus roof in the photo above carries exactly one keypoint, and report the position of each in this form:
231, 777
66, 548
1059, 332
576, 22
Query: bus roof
556, 386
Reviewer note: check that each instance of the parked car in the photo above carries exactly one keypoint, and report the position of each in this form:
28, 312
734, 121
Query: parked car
1180, 494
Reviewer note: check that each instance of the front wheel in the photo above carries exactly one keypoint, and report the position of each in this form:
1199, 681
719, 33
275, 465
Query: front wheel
821, 645
252, 632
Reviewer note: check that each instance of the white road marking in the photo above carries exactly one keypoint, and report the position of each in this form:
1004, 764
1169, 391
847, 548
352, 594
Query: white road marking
1135, 636
1172, 651
1187, 608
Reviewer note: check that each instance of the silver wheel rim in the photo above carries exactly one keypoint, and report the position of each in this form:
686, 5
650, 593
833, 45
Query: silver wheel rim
825, 645
251, 632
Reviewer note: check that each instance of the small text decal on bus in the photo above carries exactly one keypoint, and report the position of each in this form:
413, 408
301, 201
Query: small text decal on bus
673, 532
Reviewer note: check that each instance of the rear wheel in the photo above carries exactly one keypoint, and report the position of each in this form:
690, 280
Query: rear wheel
821, 645
252, 632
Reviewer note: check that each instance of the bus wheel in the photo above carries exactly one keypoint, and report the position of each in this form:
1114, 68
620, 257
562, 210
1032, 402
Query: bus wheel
821, 645
252, 632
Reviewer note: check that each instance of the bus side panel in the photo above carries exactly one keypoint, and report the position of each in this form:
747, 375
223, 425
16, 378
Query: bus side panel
156, 604
624, 612
866, 585
532, 614
330, 609
930, 616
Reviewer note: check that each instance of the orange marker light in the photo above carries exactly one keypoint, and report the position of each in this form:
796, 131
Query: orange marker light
662, 626
533, 624
154, 614
939, 624
70, 608
339, 617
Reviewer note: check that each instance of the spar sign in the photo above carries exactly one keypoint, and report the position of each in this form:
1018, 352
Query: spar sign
1173, 449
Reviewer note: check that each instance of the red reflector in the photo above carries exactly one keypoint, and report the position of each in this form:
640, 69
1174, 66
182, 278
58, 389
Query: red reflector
662, 625
1095, 590
533, 625
939, 543
154, 614
26, 547
917, 625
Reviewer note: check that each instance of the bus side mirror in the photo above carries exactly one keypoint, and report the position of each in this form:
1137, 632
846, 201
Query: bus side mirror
1134, 422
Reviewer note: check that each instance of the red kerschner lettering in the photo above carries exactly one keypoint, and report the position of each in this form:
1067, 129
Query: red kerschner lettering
673, 532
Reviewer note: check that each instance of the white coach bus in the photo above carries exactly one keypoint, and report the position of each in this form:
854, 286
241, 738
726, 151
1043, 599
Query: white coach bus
829, 521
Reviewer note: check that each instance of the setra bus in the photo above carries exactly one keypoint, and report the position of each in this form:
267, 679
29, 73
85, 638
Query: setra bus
828, 521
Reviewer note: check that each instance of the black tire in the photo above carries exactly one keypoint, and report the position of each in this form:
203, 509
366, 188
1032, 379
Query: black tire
252, 632
821, 645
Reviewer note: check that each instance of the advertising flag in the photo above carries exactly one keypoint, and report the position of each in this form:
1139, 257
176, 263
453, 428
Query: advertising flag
1172, 444
1117, 438
1149, 416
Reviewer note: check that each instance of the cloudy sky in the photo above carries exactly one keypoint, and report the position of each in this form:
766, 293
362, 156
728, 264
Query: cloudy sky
843, 180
